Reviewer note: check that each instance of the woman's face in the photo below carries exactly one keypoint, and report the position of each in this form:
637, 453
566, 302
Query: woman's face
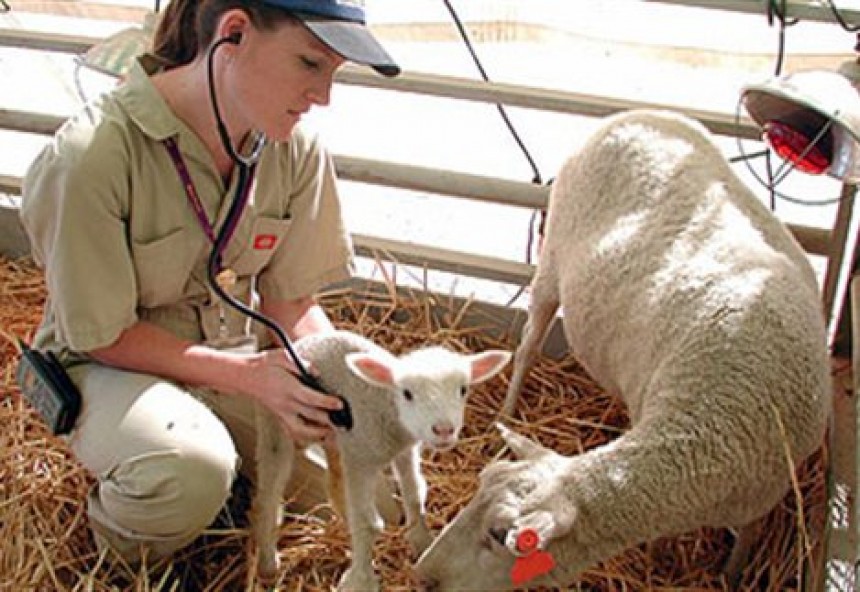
275, 76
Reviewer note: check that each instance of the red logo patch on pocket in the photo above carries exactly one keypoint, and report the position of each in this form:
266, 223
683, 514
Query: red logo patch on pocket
265, 242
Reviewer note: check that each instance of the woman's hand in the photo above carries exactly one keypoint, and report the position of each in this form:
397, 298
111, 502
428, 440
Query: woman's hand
303, 411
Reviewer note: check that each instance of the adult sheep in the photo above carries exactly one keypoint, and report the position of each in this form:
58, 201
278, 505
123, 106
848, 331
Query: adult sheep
682, 294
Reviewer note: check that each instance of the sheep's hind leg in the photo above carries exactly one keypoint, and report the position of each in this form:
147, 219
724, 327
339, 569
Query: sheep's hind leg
274, 465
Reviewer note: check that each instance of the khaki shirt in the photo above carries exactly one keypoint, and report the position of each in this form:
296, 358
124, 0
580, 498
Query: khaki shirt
108, 218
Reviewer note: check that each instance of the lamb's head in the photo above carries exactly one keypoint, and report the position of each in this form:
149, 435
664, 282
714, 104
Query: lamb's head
430, 386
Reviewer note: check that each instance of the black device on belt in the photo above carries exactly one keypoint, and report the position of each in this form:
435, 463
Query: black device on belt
48, 388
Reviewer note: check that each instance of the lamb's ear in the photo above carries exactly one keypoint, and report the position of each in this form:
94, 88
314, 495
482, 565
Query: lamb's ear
371, 369
487, 364
522, 447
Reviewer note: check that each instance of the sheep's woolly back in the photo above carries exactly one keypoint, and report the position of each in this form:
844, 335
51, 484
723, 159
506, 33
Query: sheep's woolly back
685, 295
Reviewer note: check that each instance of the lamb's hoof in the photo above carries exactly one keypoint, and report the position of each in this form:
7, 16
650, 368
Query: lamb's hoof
354, 580
268, 571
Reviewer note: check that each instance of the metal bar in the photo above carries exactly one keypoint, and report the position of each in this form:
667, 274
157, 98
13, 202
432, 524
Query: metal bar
29, 121
842, 260
457, 88
456, 262
536, 98
810, 10
854, 510
816, 241
45, 41
416, 178
10, 185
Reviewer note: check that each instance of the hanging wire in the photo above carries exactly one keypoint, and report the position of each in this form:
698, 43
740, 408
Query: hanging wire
837, 14
503, 112
777, 10
499, 106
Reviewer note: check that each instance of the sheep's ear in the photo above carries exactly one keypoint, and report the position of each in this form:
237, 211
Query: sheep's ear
371, 369
522, 447
487, 364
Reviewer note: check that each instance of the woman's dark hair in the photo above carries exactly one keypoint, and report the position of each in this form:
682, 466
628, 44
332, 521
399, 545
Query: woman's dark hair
187, 27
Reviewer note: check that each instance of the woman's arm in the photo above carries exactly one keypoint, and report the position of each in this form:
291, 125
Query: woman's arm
268, 377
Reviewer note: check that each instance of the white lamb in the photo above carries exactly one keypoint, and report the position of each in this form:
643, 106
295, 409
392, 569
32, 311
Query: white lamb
682, 294
397, 404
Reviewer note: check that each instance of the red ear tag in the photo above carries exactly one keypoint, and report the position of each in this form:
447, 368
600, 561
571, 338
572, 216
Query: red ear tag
534, 562
530, 566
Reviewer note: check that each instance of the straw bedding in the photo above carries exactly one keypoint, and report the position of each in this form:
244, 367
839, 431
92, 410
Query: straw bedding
45, 544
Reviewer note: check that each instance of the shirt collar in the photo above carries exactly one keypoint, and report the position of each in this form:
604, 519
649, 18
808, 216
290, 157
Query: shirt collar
144, 104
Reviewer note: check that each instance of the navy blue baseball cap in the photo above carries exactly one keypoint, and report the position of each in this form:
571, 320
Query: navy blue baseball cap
341, 25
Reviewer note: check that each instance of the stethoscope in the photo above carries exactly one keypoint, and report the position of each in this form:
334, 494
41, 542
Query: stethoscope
246, 165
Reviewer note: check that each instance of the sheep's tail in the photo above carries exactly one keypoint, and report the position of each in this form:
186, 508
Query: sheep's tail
334, 479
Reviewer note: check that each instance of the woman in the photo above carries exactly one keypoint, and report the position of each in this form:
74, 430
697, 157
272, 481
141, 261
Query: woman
122, 210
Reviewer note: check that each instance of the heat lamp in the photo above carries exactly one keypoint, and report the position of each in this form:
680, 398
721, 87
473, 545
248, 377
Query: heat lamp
811, 119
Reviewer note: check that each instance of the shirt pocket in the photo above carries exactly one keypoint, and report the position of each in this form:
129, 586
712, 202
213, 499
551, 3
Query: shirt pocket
163, 267
261, 244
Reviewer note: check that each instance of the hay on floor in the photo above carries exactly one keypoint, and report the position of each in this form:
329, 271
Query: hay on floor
45, 544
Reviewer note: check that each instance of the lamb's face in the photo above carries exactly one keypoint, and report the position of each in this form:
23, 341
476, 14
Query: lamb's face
432, 410
429, 387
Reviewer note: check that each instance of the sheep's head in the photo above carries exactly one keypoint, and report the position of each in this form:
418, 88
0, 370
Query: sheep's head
480, 549
430, 386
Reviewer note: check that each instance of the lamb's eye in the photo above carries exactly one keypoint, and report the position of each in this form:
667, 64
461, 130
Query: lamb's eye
407, 394
464, 390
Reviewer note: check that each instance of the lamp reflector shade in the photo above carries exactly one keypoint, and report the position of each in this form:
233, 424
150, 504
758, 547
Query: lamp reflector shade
816, 105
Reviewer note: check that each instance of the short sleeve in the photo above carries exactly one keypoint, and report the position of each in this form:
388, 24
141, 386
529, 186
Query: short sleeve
74, 206
316, 250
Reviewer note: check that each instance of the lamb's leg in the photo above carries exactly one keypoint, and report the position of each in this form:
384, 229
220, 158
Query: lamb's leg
544, 304
274, 463
413, 487
364, 524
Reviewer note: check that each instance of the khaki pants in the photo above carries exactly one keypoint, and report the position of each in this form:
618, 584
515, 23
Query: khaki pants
164, 460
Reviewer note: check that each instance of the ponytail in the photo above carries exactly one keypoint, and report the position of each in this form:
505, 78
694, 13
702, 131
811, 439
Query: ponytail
176, 38
187, 27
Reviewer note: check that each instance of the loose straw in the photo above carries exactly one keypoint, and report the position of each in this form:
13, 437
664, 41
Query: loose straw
45, 543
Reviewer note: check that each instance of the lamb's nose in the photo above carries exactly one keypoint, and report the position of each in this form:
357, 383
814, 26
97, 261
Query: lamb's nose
443, 429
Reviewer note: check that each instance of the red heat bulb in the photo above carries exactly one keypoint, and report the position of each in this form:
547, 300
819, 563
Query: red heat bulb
794, 146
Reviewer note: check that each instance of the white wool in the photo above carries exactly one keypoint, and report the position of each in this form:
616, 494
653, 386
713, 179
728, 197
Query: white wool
389, 428
682, 294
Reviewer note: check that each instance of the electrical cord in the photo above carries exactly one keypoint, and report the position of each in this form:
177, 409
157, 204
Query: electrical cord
778, 11
837, 14
536, 178
501, 108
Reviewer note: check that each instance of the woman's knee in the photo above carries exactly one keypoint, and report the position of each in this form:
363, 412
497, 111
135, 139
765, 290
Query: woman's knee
169, 493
